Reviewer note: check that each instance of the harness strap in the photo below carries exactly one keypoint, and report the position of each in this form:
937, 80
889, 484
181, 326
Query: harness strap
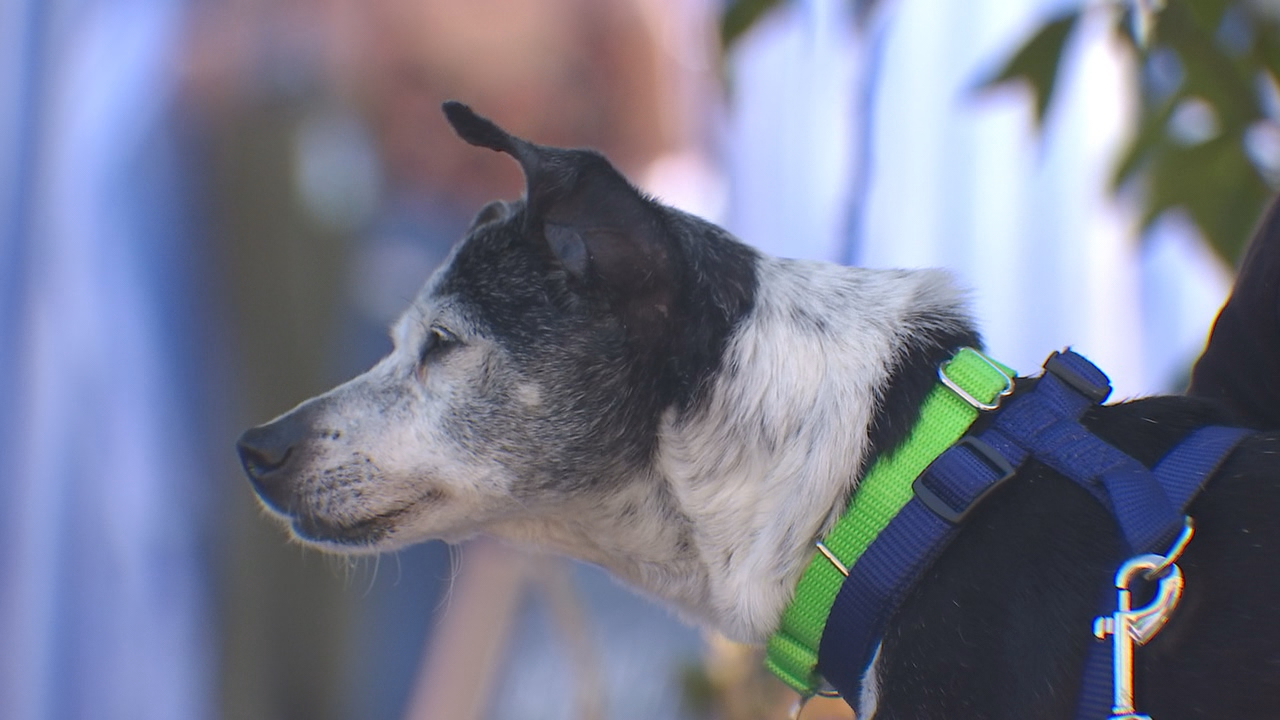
1043, 424
943, 494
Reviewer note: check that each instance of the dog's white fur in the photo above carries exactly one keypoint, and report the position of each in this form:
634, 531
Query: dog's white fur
768, 468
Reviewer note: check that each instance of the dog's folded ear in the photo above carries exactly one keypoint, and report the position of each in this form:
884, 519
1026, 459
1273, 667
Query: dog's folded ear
606, 235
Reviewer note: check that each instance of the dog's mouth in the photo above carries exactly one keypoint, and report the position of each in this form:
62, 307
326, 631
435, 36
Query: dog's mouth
365, 533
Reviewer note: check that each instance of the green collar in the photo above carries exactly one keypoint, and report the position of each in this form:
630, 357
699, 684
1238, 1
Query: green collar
968, 383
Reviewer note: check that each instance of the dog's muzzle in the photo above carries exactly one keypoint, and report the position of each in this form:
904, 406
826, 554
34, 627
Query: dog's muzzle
280, 460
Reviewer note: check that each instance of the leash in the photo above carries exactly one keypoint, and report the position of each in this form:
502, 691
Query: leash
911, 503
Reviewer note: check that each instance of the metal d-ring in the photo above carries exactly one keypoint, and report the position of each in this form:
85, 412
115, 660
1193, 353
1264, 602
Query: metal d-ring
1175, 550
1130, 626
964, 394
826, 691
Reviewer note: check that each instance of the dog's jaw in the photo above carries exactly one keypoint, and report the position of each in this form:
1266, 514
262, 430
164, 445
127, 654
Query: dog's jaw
638, 534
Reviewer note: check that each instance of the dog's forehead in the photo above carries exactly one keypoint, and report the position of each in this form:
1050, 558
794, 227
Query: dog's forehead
493, 275
496, 271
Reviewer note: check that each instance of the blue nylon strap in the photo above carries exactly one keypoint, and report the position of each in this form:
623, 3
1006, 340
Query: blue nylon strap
1097, 691
874, 589
1184, 471
1044, 424
878, 582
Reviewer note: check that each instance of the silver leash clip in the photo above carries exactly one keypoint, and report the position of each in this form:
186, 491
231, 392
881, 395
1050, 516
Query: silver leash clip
1128, 626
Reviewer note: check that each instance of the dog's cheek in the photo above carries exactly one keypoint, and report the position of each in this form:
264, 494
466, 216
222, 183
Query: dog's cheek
501, 436
459, 432
503, 423
435, 489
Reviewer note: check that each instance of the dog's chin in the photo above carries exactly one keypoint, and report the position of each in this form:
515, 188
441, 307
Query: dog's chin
385, 532
371, 535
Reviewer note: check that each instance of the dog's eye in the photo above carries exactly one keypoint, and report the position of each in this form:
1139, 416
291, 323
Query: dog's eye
438, 340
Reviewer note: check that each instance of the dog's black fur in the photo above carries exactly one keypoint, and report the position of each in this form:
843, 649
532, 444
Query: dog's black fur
999, 627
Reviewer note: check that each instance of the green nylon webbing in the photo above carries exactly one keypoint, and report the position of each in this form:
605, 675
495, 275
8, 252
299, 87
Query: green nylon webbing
944, 419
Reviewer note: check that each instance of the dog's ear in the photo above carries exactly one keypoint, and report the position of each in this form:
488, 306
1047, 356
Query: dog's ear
605, 234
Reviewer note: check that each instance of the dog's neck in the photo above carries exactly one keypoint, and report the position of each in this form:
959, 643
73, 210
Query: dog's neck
768, 463
723, 523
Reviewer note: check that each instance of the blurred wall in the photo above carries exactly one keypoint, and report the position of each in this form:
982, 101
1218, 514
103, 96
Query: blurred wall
113, 383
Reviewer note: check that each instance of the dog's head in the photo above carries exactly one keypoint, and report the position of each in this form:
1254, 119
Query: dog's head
529, 376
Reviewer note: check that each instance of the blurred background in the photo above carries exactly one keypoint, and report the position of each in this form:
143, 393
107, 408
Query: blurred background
212, 209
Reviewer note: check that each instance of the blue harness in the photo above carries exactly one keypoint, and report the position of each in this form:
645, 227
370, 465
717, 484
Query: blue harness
1042, 424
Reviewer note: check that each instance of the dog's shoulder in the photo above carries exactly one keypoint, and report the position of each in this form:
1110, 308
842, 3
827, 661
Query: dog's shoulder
1147, 428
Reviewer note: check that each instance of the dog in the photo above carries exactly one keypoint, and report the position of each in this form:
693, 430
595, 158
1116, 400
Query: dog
597, 374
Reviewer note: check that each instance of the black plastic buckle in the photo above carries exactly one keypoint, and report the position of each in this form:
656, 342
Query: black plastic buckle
1057, 365
984, 452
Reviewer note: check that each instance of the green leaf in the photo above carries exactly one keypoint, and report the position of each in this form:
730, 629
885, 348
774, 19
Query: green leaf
739, 16
1036, 63
1211, 74
1216, 184
1267, 50
1207, 14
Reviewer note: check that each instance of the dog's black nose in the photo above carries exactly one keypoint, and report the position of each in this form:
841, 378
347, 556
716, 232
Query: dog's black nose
265, 452
263, 449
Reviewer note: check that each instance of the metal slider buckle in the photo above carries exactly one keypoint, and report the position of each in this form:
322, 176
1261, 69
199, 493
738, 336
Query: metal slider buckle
964, 394
830, 556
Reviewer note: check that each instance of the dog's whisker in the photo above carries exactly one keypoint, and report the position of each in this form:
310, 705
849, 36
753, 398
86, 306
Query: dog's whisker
455, 570
339, 566
373, 576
